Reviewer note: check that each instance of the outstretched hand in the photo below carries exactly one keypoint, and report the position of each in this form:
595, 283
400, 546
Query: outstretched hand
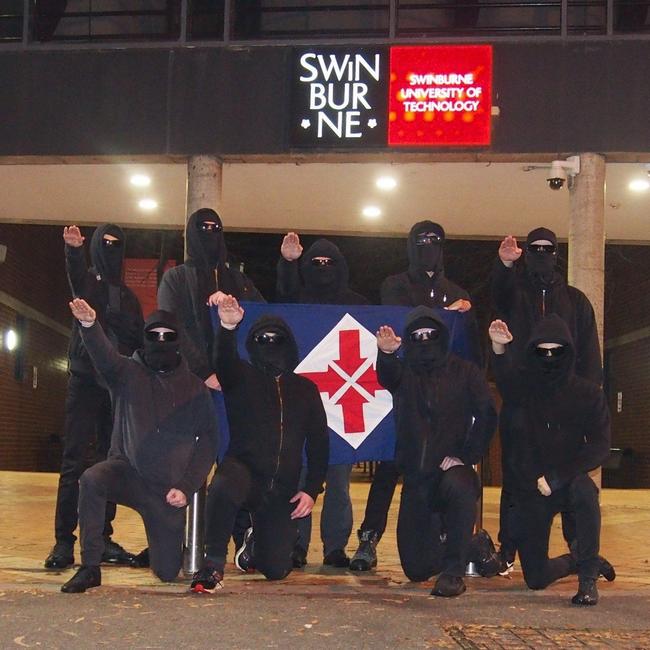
304, 505
72, 236
461, 305
499, 332
230, 313
387, 340
82, 311
509, 251
291, 249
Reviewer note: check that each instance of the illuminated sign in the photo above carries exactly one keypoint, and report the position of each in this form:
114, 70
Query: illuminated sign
434, 96
440, 96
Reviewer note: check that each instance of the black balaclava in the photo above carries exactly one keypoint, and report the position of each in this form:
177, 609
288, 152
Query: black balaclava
424, 356
426, 257
107, 260
161, 356
324, 281
277, 358
205, 249
541, 266
547, 371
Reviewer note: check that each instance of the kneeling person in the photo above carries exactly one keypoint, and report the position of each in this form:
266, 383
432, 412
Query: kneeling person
445, 417
561, 431
273, 413
163, 444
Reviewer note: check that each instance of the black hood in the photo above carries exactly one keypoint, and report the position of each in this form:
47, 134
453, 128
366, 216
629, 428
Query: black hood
205, 250
417, 265
540, 267
326, 280
550, 372
107, 262
424, 356
272, 359
161, 356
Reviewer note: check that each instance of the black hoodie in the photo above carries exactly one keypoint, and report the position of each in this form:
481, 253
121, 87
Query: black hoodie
118, 309
559, 422
184, 291
443, 410
327, 285
272, 417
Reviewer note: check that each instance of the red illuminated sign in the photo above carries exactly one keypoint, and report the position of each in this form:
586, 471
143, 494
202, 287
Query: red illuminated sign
440, 96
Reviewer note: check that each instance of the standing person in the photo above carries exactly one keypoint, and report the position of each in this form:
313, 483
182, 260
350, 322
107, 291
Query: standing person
320, 276
522, 297
445, 417
273, 414
425, 284
560, 432
89, 416
163, 444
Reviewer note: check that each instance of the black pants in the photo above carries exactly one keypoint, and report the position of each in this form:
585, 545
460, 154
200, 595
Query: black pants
380, 497
534, 518
118, 481
451, 495
233, 488
88, 420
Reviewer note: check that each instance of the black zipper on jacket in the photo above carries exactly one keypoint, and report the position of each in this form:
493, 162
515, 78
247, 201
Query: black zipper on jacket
277, 466
543, 303
426, 438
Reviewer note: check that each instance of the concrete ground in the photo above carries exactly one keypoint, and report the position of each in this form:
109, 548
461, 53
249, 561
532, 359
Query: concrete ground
316, 607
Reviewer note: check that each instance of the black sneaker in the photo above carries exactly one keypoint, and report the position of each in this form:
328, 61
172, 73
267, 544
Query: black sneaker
61, 557
86, 577
337, 558
587, 592
244, 557
206, 580
141, 560
115, 554
606, 570
365, 557
448, 586
298, 557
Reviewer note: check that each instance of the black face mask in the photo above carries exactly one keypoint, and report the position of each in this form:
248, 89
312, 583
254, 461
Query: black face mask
425, 351
540, 266
161, 355
210, 238
551, 365
319, 276
272, 351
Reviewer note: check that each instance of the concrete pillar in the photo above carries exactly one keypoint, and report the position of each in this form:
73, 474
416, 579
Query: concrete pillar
587, 238
203, 183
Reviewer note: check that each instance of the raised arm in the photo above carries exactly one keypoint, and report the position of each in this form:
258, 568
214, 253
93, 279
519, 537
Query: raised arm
226, 360
389, 366
509, 381
503, 275
75, 260
288, 274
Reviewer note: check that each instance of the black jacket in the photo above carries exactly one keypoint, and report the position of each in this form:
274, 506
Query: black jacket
462, 416
521, 303
184, 291
122, 320
558, 430
271, 419
164, 424
295, 281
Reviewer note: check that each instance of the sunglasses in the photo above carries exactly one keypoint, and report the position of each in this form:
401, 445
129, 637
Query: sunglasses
425, 335
167, 337
206, 226
269, 338
427, 238
550, 352
111, 243
322, 261
540, 248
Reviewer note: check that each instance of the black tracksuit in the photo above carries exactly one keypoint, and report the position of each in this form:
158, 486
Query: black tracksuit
521, 301
443, 410
271, 419
88, 414
164, 436
560, 430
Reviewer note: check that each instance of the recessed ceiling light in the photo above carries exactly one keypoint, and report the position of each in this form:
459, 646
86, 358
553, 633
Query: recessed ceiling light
639, 185
148, 204
371, 212
11, 340
140, 180
386, 183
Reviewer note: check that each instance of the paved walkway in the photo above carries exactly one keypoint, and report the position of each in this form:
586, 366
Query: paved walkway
315, 607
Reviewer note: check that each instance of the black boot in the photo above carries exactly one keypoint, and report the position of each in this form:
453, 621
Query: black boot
85, 578
141, 560
606, 569
337, 558
448, 586
365, 557
61, 557
298, 557
115, 554
587, 592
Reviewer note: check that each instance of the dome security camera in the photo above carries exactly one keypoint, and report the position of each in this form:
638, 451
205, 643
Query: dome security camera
557, 176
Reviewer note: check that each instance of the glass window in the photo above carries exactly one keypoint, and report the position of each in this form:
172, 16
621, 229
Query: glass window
11, 20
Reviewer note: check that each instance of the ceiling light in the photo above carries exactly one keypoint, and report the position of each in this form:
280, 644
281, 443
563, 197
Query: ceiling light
148, 204
371, 212
140, 180
386, 183
11, 340
639, 185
